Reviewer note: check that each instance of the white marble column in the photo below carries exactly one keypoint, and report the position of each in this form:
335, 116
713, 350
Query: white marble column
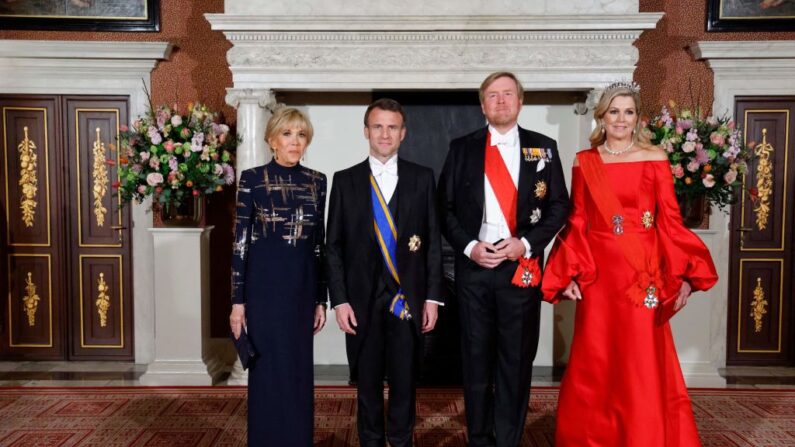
182, 307
253, 111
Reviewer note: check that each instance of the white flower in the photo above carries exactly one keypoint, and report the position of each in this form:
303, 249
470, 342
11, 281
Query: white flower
688, 146
176, 120
154, 179
708, 181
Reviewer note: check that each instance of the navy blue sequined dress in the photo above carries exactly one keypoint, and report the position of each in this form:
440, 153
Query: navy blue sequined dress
277, 274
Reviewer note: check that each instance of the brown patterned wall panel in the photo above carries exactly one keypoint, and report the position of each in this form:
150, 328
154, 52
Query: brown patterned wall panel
27, 163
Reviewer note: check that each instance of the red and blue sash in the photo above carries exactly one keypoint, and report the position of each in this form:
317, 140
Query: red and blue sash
386, 234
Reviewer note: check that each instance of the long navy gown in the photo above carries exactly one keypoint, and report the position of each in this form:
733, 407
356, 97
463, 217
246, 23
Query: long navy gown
277, 274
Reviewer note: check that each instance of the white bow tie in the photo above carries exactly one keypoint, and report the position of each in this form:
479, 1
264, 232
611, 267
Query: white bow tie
389, 169
507, 140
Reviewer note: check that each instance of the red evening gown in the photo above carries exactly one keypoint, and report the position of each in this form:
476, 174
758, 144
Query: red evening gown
623, 385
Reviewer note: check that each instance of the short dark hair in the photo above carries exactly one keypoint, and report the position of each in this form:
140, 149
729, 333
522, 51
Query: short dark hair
387, 104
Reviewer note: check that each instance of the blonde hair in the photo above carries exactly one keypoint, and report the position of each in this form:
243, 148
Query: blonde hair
497, 75
288, 117
640, 134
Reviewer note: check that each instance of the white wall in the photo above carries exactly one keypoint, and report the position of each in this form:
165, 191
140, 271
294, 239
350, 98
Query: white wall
339, 143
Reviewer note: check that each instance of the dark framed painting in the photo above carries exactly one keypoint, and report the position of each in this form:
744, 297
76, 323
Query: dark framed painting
750, 15
81, 15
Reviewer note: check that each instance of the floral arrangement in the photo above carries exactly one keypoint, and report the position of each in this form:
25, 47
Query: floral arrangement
706, 154
174, 156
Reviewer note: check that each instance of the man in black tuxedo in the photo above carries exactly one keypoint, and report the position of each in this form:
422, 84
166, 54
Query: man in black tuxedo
503, 198
366, 292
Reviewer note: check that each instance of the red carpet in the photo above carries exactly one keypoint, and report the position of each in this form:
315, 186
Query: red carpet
216, 416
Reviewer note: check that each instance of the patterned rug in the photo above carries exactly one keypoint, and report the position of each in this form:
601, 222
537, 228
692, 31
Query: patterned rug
216, 416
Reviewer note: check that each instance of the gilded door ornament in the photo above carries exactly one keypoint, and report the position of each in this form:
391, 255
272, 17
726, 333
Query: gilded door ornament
758, 306
30, 300
764, 181
27, 178
100, 176
103, 300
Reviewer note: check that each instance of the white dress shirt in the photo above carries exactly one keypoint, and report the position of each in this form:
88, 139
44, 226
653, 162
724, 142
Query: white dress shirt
494, 226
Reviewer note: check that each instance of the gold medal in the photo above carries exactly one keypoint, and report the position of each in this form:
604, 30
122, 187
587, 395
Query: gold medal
541, 189
414, 243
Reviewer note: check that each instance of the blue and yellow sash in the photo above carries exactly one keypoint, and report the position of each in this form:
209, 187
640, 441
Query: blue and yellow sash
386, 233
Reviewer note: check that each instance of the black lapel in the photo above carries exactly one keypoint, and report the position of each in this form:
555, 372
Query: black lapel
406, 186
477, 167
362, 195
525, 186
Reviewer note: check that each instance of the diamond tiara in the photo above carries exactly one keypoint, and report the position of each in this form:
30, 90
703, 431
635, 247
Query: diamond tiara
629, 85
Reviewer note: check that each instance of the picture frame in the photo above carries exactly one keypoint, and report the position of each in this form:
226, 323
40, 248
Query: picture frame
80, 15
750, 15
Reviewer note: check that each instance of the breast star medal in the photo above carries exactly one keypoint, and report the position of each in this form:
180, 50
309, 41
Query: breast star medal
414, 243
535, 216
647, 219
541, 189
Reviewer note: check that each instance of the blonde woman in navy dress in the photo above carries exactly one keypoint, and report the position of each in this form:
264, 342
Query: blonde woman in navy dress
278, 287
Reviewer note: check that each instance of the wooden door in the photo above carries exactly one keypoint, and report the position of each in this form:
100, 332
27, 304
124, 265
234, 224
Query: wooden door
66, 267
101, 292
760, 328
33, 267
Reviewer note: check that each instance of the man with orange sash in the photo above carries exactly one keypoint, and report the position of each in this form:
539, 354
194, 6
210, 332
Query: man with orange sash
384, 269
503, 198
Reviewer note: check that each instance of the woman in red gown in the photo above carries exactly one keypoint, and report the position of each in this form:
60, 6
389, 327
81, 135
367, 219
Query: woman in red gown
623, 385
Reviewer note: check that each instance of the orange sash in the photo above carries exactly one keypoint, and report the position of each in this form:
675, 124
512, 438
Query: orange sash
645, 290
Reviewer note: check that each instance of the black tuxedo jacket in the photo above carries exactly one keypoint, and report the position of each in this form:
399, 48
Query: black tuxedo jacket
353, 259
461, 193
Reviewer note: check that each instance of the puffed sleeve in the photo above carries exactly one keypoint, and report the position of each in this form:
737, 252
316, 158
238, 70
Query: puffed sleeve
570, 258
243, 228
685, 257
320, 244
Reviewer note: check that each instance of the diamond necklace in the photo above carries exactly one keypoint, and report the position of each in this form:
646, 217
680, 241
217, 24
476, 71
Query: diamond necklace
618, 152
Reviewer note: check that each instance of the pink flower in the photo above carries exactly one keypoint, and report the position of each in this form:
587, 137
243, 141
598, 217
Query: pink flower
141, 189
693, 166
154, 179
144, 156
730, 176
717, 139
154, 135
708, 181
229, 174
169, 146
677, 171
730, 125
218, 169
679, 130
669, 147
154, 163
185, 132
688, 146
124, 128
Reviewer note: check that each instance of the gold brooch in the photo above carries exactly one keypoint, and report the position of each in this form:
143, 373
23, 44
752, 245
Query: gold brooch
541, 189
647, 219
414, 243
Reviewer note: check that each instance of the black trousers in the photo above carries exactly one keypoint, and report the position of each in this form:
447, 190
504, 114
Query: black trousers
388, 347
499, 339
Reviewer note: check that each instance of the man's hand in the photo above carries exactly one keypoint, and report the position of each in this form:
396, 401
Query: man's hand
430, 313
346, 320
482, 257
512, 248
320, 318
237, 319
684, 293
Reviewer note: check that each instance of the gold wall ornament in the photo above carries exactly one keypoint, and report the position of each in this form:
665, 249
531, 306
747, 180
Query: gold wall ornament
764, 181
758, 305
103, 300
28, 179
100, 175
30, 300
